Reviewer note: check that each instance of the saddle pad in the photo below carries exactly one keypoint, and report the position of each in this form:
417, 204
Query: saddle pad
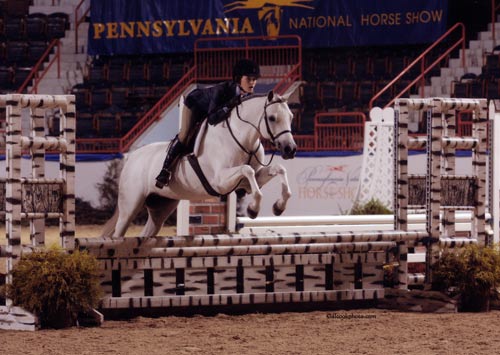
199, 137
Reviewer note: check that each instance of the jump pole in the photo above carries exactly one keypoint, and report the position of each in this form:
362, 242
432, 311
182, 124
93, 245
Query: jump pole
494, 117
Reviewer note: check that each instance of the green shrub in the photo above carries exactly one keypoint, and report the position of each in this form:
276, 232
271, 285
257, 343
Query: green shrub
55, 286
473, 273
374, 206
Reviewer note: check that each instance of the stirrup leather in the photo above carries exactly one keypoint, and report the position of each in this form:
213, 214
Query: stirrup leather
163, 178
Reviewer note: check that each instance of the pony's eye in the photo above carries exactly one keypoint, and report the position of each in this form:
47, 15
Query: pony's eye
272, 118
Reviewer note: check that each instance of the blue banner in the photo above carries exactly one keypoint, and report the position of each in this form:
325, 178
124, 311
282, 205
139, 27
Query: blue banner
160, 26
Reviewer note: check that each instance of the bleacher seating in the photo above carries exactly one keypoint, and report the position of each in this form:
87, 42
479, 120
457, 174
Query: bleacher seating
127, 120
57, 24
484, 85
36, 26
24, 38
118, 90
86, 125
346, 79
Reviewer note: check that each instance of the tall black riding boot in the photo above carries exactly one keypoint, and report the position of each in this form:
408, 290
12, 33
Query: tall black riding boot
175, 148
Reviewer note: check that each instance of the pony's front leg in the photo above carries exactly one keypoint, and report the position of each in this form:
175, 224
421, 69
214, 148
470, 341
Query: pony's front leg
229, 178
265, 174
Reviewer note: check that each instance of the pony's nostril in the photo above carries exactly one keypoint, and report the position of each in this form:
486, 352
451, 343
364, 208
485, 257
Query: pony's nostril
289, 151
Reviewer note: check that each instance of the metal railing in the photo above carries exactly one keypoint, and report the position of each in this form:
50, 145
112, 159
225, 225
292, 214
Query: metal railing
293, 76
80, 16
155, 112
333, 131
424, 69
36, 74
103, 145
271, 54
305, 142
339, 131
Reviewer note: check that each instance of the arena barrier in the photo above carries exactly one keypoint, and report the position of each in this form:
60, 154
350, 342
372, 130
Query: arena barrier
162, 273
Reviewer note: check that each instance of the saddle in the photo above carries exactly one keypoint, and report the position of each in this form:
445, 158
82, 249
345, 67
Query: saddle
194, 141
196, 137
192, 145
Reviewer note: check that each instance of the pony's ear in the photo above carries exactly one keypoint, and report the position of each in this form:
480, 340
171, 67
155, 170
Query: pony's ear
287, 96
270, 96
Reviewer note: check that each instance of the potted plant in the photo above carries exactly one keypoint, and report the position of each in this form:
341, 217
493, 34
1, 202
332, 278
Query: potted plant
55, 286
472, 274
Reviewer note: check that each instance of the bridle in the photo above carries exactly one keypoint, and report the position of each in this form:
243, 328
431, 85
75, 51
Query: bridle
273, 137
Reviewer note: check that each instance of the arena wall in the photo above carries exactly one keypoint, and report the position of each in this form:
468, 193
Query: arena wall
320, 185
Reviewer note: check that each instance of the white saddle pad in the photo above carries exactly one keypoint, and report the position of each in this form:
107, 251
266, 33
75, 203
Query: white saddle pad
200, 137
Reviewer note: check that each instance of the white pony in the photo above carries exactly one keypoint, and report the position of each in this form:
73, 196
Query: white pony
230, 156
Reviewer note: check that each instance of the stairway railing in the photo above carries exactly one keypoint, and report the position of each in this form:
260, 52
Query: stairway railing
36, 74
421, 60
80, 16
294, 75
155, 112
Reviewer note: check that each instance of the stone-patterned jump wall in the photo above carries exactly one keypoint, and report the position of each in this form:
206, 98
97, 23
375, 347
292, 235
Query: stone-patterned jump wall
226, 269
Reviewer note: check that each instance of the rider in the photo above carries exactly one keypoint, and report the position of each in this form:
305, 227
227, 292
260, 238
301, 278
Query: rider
215, 103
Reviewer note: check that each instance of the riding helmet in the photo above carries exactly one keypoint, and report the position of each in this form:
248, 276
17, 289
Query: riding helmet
245, 67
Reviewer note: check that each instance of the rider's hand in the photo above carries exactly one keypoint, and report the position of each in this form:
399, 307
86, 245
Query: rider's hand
235, 101
219, 116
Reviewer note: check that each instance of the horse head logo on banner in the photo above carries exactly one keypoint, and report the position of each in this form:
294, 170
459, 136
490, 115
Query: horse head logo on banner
270, 11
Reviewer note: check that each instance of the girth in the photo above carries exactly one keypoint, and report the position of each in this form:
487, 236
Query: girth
193, 160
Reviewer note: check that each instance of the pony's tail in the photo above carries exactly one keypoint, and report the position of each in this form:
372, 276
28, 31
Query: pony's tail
109, 227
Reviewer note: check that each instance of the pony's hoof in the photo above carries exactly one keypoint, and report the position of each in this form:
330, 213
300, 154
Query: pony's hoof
276, 210
251, 213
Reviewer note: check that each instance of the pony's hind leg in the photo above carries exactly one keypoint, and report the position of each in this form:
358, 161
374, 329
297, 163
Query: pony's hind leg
159, 208
265, 174
122, 224
109, 227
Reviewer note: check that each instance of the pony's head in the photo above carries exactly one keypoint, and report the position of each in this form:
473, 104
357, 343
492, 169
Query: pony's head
278, 121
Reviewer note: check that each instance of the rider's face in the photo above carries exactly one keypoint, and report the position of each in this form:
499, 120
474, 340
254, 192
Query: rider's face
248, 83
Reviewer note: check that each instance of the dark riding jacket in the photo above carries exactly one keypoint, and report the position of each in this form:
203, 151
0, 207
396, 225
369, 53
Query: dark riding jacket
215, 102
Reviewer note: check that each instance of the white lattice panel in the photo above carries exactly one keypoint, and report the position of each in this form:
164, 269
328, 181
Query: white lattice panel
377, 172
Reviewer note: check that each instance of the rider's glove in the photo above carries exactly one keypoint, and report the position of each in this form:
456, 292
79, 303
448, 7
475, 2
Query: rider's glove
219, 115
235, 101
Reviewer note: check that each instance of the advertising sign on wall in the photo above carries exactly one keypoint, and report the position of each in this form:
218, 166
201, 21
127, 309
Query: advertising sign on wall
154, 26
